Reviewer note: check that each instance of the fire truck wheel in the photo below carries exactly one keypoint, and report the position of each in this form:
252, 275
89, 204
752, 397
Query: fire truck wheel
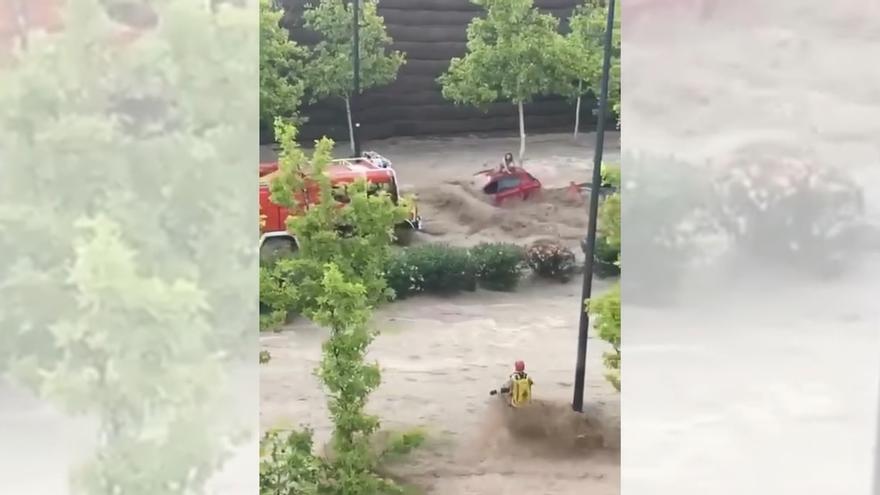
277, 248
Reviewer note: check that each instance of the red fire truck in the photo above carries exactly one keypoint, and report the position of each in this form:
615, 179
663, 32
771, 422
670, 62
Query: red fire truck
276, 239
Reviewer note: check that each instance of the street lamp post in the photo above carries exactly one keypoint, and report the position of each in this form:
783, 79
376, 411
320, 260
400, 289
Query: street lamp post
356, 67
586, 290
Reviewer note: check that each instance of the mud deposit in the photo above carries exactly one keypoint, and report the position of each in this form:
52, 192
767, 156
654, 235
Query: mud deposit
456, 213
548, 429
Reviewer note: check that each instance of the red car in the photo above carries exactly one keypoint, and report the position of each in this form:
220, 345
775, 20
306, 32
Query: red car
505, 184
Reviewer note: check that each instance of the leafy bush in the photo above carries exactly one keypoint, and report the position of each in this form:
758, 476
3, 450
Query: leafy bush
287, 464
605, 252
606, 312
611, 176
442, 268
551, 260
608, 221
499, 265
403, 276
285, 289
275, 300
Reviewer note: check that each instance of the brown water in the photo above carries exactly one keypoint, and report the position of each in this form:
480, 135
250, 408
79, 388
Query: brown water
439, 358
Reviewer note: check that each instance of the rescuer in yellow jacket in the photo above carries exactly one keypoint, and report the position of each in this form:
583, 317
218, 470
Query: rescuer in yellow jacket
519, 386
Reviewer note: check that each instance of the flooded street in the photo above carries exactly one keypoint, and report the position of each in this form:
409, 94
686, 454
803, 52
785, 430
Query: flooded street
439, 359
440, 356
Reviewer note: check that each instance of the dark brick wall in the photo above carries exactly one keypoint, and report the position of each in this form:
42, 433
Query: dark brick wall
430, 32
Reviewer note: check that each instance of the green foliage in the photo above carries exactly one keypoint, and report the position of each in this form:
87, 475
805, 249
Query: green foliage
404, 276
286, 287
551, 260
586, 39
401, 444
282, 69
605, 251
331, 73
514, 53
442, 268
126, 249
361, 250
498, 265
608, 226
611, 176
608, 218
445, 269
335, 280
605, 310
288, 465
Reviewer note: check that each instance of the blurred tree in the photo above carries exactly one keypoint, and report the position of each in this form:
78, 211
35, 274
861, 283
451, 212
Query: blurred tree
586, 41
282, 70
128, 258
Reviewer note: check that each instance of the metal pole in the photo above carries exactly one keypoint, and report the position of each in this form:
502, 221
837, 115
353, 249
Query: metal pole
586, 290
356, 67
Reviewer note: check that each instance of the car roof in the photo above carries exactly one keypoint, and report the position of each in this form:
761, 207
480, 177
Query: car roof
517, 172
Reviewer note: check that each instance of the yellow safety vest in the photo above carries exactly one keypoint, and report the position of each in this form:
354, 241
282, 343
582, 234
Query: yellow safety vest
520, 390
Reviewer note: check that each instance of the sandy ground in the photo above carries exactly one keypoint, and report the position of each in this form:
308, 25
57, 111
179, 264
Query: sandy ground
439, 359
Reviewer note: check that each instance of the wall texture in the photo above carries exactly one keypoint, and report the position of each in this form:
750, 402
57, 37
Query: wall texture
430, 32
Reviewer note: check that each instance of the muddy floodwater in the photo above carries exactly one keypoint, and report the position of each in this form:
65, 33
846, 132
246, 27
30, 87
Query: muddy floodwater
441, 356
439, 359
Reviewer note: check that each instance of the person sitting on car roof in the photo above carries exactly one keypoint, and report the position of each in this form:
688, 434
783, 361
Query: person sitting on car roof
508, 164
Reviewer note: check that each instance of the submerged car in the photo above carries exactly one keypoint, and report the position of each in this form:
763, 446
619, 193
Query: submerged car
502, 184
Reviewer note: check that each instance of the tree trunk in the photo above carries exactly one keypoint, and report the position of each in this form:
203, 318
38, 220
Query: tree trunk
577, 113
350, 125
522, 133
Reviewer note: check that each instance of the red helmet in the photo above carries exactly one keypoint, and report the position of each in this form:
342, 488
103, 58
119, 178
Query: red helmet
519, 366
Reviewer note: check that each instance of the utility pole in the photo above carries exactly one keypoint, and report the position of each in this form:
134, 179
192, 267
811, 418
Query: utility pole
356, 66
587, 288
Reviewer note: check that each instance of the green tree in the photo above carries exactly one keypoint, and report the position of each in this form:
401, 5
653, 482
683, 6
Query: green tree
606, 321
282, 69
339, 265
127, 265
514, 54
331, 71
586, 40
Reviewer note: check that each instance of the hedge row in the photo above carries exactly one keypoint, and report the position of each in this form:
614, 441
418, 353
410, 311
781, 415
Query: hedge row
430, 268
